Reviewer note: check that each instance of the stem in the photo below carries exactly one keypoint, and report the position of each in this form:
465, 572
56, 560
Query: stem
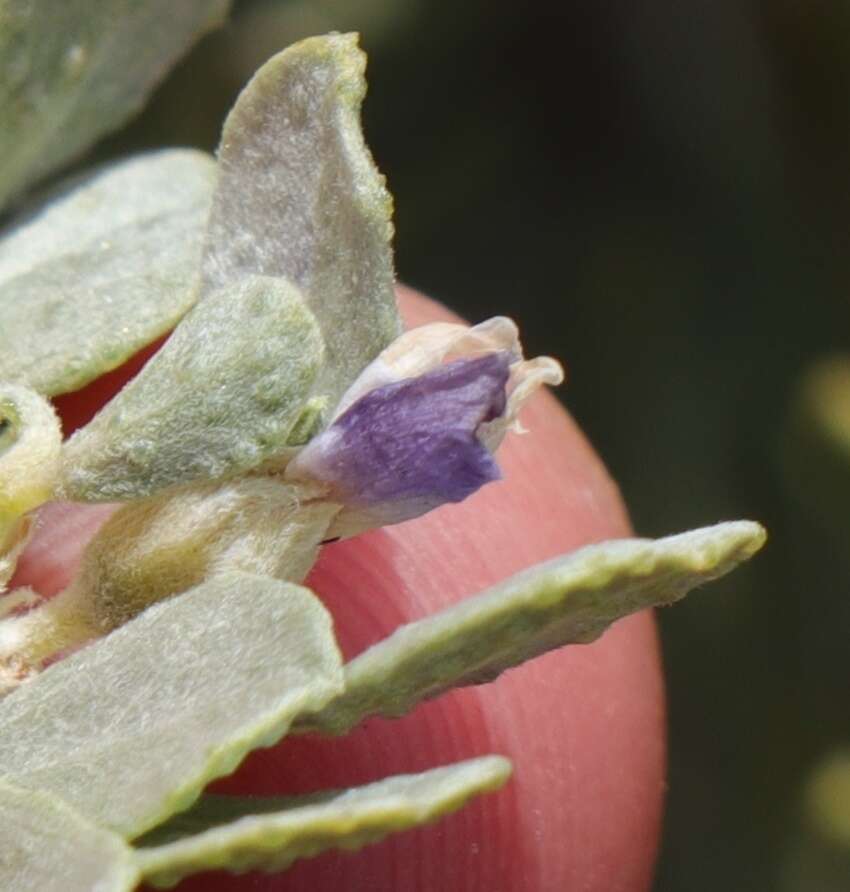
14, 535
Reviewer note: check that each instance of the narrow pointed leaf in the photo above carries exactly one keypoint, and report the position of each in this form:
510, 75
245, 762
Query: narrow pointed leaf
239, 834
300, 197
130, 729
569, 600
816, 443
71, 72
48, 847
102, 270
219, 398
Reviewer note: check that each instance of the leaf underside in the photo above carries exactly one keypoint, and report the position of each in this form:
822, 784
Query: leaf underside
240, 833
219, 398
71, 72
45, 846
130, 729
299, 197
103, 270
571, 599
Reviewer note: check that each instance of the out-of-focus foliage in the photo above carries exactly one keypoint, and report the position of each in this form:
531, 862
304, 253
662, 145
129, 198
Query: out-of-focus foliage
76, 70
662, 191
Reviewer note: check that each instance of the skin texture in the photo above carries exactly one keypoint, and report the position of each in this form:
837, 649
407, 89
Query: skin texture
584, 726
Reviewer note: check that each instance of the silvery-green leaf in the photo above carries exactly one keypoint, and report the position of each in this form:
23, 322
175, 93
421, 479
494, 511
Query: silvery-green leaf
219, 398
569, 600
102, 270
239, 834
130, 729
46, 846
72, 71
299, 197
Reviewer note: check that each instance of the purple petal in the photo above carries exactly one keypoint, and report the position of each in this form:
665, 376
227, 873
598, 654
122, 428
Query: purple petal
413, 443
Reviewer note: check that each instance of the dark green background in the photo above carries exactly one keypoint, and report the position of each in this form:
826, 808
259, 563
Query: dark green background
659, 192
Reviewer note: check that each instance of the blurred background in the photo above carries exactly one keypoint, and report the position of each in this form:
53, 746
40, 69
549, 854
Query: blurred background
659, 192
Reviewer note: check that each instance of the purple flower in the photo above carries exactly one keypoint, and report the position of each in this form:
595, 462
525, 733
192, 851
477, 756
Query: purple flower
416, 431
412, 445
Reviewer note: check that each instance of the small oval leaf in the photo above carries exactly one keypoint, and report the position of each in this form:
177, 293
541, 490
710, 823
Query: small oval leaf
219, 398
48, 847
130, 729
240, 834
103, 270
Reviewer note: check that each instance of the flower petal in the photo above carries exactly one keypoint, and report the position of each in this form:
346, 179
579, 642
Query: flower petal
408, 447
425, 348
526, 377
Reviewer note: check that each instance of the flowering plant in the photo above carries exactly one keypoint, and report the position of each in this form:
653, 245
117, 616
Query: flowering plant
286, 409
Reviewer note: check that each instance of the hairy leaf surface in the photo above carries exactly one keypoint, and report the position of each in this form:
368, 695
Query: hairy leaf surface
219, 398
48, 847
569, 600
72, 71
102, 270
300, 197
130, 729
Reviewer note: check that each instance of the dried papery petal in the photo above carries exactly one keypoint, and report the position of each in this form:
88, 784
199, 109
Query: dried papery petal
299, 196
569, 600
408, 447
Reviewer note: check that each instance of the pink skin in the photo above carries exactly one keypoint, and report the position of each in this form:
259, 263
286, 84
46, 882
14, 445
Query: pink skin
584, 726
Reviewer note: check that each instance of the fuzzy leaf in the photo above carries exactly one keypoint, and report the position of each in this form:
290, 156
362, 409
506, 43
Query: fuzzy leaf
569, 600
300, 197
241, 834
219, 398
130, 729
48, 847
71, 72
102, 270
